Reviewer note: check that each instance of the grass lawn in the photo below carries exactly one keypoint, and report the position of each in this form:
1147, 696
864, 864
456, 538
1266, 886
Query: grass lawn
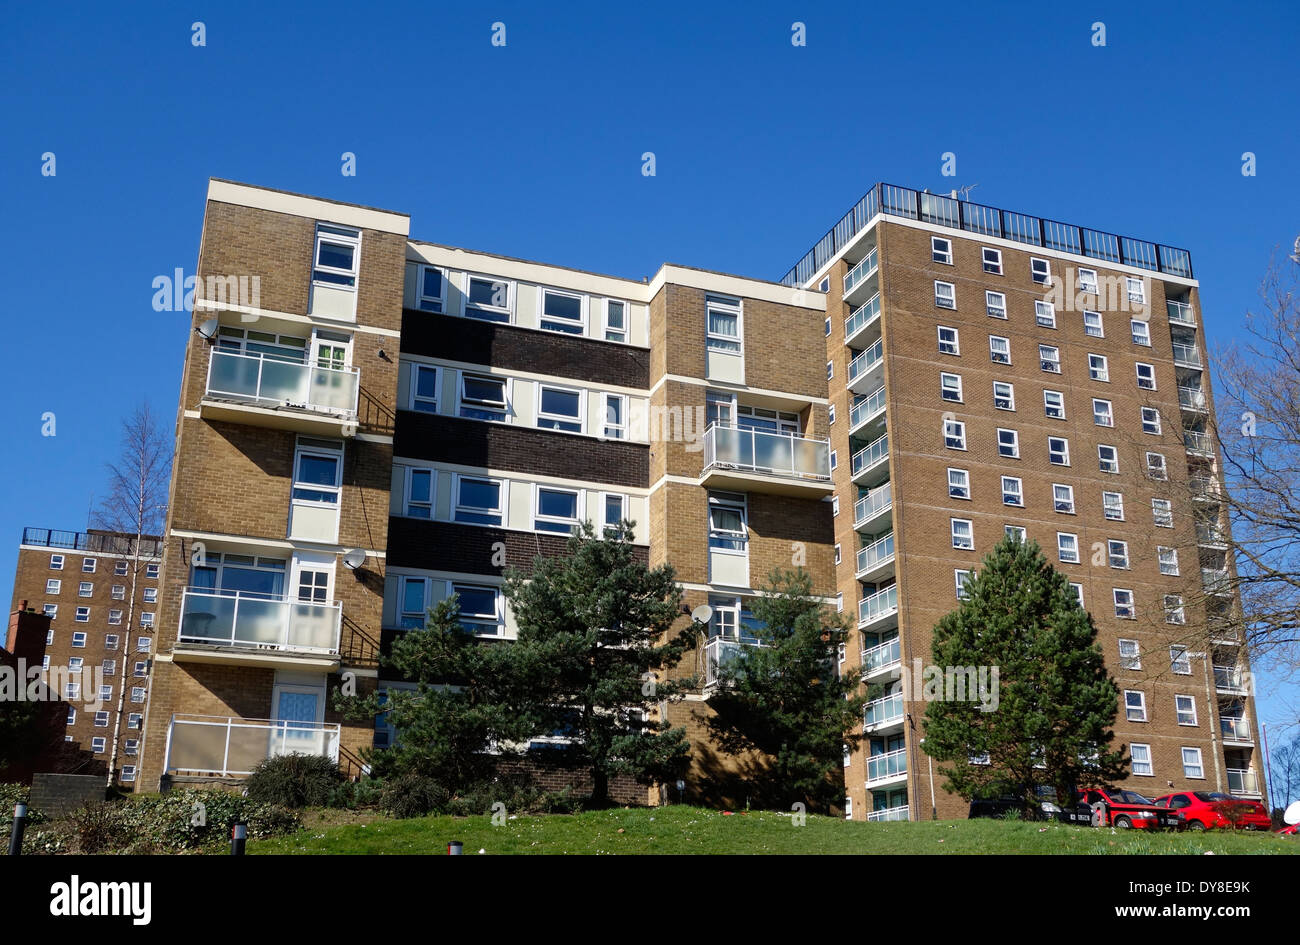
696, 830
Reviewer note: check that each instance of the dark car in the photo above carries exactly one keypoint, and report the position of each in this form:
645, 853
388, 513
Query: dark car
1202, 810
1005, 801
1117, 807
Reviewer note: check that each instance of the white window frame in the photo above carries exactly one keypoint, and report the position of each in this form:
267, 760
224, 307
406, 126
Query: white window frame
1185, 708
1157, 470
1103, 463
412, 508
1105, 416
82, 616
1130, 654
98, 745
342, 236
1048, 406
961, 483
1112, 501
138, 693
457, 508
1063, 452
1039, 267
1018, 532
488, 310
1009, 396
721, 341
991, 260
1175, 610
1140, 708
1063, 498
1162, 512
114, 618
481, 405
410, 619
539, 521
1151, 420
56, 562
151, 595
88, 565
1167, 559
950, 384
1196, 769
958, 428
1044, 313
53, 586
496, 619
117, 592
415, 399
995, 303
1149, 382
960, 578
580, 324
110, 641
1141, 766
1117, 550
958, 525
956, 341
1093, 326
1013, 445
1013, 491
1099, 371
1124, 611
430, 303
1049, 359
622, 333
1135, 289
1142, 337
86, 589
943, 255
945, 295
548, 421
1067, 547
618, 431
333, 494
1087, 280
994, 352
727, 541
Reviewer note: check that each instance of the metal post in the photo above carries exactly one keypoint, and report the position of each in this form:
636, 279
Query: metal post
455, 848
238, 838
20, 824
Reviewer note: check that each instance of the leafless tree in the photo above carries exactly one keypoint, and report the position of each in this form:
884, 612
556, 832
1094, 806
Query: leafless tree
134, 511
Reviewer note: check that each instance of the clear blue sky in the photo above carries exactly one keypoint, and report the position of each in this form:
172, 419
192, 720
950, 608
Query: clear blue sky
534, 150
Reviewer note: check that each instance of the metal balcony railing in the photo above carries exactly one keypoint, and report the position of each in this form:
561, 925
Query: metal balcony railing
1234, 728
1209, 535
1180, 313
216, 746
863, 270
259, 622
776, 454
880, 712
1242, 781
888, 813
874, 453
867, 407
721, 653
1229, 679
890, 765
1199, 443
1191, 398
1216, 580
882, 656
877, 554
1187, 356
877, 606
271, 382
862, 316
102, 542
867, 361
873, 504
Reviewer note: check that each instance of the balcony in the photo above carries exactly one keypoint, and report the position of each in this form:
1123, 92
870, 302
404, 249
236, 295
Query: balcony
1193, 399
1242, 781
862, 318
870, 465
1180, 313
1205, 489
1199, 443
856, 279
876, 560
887, 768
881, 714
1235, 729
1229, 679
871, 509
257, 630
866, 411
745, 460
206, 746
888, 813
1210, 536
1216, 581
876, 610
722, 653
1187, 356
287, 395
866, 368
882, 659
102, 542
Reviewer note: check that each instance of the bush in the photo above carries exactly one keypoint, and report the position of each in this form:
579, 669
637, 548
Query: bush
414, 795
98, 828
11, 794
294, 781
189, 820
357, 795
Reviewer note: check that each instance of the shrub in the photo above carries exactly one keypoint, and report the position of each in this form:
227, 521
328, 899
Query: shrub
11, 794
294, 781
414, 795
355, 795
98, 827
188, 820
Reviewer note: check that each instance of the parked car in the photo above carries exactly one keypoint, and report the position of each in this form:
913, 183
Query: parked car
1291, 831
1202, 810
1048, 809
1126, 810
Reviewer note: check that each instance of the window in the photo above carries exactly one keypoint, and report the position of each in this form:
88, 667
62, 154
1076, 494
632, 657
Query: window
97, 745
1146, 375
72, 714
1156, 468
140, 668
1102, 413
101, 720
1058, 450
616, 416
1130, 654
958, 483
482, 397
1078, 594
1150, 420
413, 602
1108, 459
999, 350
119, 567
134, 721
954, 434
945, 295
1088, 280
992, 260
1140, 755
75, 663
72, 691
837, 553
146, 619
1162, 511
480, 609
1063, 498
559, 409
723, 323
1113, 503
1015, 533
556, 510
1141, 332
941, 250
318, 471
1040, 270
1118, 554
110, 641
419, 492
53, 586
82, 616
1092, 324
828, 328
1049, 359
1185, 708
1192, 767
728, 529
1044, 314
1098, 369
151, 595
118, 592
1135, 705
478, 501
1054, 404
563, 311
488, 299
131, 746
1013, 492
995, 303
830, 412
431, 289
424, 388
1168, 558
337, 249
616, 321
1124, 607
142, 644
88, 565
830, 370
961, 577
137, 693
1175, 613
950, 387
1067, 547
150, 571
1009, 444
114, 618
56, 562
128, 773
824, 285
962, 534
948, 341
1136, 291
109, 667
1004, 396
835, 506
50, 610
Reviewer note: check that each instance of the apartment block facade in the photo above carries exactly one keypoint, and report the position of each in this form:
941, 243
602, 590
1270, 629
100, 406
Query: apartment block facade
386, 422
100, 593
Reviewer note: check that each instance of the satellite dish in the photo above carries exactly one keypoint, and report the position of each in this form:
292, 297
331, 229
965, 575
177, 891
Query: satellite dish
1292, 814
702, 613
208, 329
354, 559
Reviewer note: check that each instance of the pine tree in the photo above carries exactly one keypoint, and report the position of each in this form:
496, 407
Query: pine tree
784, 698
1055, 703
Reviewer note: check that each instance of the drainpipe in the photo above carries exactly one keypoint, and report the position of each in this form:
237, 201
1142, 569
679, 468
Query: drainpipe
1214, 721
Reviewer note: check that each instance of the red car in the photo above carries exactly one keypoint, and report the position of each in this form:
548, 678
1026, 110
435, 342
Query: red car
1204, 809
1127, 809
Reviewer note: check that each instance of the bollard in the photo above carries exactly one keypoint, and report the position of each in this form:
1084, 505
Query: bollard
455, 848
20, 824
238, 837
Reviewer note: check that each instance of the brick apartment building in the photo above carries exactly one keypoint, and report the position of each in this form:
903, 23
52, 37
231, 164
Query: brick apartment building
384, 422
100, 639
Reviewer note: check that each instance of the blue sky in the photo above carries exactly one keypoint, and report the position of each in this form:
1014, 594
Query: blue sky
534, 149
